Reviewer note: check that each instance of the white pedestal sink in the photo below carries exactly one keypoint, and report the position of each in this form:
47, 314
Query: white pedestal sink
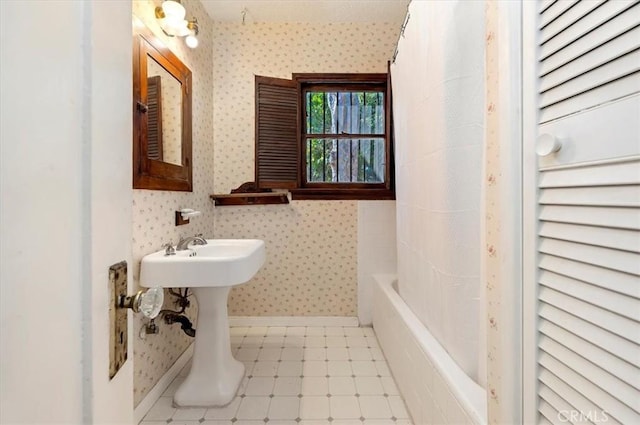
210, 270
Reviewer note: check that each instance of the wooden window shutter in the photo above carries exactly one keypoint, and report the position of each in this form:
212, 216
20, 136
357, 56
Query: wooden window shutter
154, 116
277, 147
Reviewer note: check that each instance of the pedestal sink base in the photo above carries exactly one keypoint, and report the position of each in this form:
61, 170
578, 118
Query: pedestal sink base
215, 375
210, 270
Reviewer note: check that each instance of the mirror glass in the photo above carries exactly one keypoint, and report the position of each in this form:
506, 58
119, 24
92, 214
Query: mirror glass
161, 115
164, 125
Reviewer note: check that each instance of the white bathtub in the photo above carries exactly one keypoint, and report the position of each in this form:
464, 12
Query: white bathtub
434, 387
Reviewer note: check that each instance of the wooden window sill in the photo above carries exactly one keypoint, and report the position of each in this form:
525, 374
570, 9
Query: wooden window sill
343, 194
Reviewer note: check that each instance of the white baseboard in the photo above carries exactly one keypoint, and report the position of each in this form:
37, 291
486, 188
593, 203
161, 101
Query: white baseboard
156, 392
293, 321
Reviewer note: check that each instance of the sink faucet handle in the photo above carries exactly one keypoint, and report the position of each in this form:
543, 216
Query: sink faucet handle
169, 249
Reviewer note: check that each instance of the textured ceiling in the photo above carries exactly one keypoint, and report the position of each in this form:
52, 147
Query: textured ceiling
312, 11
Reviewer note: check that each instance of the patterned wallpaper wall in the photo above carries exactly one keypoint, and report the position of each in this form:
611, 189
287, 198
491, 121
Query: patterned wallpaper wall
153, 211
311, 266
502, 265
492, 219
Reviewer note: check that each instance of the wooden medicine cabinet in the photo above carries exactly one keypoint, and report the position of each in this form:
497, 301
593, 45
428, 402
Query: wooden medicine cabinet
162, 156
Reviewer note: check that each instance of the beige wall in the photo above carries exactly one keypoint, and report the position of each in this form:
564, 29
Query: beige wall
153, 211
311, 266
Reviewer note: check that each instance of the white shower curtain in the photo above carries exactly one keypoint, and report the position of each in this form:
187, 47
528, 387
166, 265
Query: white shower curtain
438, 83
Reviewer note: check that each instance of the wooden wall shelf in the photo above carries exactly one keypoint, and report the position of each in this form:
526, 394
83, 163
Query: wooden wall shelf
259, 198
249, 194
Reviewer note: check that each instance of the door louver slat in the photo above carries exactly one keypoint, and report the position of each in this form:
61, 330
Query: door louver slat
620, 347
593, 79
589, 55
584, 26
555, 10
622, 283
611, 259
598, 297
556, 404
626, 240
609, 32
612, 196
581, 403
591, 372
545, 4
617, 89
607, 361
617, 218
569, 17
599, 56
549, 412
600, 399
622, 173
614, 323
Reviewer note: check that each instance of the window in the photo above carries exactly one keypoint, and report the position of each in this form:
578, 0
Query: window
325, 136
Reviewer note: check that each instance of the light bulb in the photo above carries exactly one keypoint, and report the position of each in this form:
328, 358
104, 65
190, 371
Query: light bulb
191, 41
182, 28
173, 10
174, 27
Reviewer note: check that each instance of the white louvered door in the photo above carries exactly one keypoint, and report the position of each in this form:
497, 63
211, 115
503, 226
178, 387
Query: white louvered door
587, 241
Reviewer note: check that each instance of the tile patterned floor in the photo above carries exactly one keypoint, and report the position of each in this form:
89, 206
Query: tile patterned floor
300, 376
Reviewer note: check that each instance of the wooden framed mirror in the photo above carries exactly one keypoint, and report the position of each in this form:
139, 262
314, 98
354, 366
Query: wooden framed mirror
161, 115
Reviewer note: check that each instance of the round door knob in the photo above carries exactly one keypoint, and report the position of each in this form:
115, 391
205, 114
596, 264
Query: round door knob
547, 144
148, 303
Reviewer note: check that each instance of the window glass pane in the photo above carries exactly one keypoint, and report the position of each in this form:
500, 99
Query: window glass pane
372, 118
351, 160
356, 112
371, 160
380, 124
318, 160
315, 112
307, 108
330, 111
343, 115
346, 112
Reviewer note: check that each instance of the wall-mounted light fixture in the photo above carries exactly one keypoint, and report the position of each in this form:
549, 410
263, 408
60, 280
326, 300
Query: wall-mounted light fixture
171, 15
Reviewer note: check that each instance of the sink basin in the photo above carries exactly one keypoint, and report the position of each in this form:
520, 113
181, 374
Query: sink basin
222, 262
210, 271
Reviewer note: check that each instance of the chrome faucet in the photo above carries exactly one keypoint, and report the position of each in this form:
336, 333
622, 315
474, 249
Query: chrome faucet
184, 242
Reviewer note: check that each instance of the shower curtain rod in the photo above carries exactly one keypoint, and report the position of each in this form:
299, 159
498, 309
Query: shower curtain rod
404, 25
